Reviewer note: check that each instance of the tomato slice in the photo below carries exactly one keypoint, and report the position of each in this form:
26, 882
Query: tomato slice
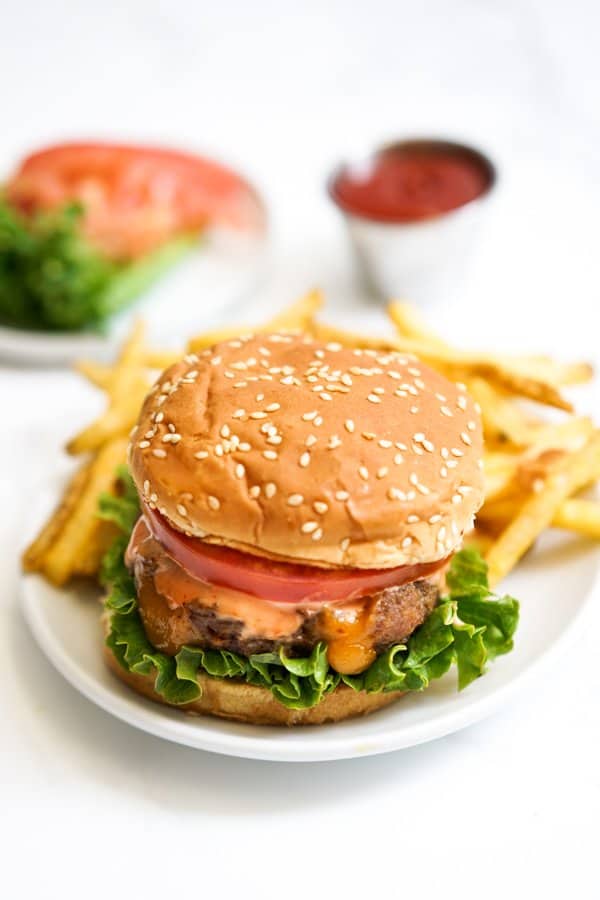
135, 198
278, 581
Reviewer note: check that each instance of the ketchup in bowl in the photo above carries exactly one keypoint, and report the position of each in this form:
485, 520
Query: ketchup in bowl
411, 181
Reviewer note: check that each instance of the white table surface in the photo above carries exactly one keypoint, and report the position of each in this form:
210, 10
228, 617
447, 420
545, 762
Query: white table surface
89, 807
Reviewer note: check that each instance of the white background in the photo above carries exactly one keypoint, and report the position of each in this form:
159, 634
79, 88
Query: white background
89, 807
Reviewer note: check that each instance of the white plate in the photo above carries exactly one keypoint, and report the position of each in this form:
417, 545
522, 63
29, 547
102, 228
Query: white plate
554, 584
225, 267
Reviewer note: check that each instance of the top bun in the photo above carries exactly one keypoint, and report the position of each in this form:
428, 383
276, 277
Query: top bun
282, 446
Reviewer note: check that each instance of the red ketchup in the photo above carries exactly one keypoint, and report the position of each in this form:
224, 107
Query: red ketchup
411, 181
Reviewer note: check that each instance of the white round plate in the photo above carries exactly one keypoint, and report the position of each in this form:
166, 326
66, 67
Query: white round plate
225, 267
553, 584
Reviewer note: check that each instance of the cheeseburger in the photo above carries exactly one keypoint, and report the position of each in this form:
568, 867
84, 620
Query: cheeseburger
300, 506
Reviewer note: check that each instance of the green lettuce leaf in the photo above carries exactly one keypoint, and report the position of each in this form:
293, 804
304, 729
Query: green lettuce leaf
467, 628
51, 278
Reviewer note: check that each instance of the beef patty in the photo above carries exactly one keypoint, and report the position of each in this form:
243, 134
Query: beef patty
176, 610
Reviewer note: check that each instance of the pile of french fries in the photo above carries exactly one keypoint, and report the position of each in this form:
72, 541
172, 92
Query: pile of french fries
534, 466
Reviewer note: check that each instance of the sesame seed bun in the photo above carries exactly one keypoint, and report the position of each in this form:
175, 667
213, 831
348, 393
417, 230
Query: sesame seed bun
282, 446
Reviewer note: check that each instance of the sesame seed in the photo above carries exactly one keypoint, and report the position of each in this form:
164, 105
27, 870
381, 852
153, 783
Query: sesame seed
273, 407
363, 472
295, 500
456, 452
269, 454
309, 416
158, 417
477, 408
245, 447
254, 491
385, 444
213, 502
270, 489
274, 439
429, 446
441, 398
465, 438
444, 472
382, 472
160, 454
462, 402
435, 518
379, 390
412, 519
240, 384
445, 453
289, 379
418, 437
171, 438
304, 460
373, 398
471, 426
394, 493
219, 450
240, 470
349, 425
153, 498
398, 459
407, 541
345, 543
317, 534
342, 496
309, 527
171, 427
181, 509
414, 371
143, 444
320, 507
414, 409
445, 411
201, 454
318, 421
333, 442
346, 379
238, 414
258, 415
146, 486
441, 533
259, 397
225, 431
456, 498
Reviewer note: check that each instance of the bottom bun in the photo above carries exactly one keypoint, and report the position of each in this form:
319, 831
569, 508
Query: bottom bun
243, 702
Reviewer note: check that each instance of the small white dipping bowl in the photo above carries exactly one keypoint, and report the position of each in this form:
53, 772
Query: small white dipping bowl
420, 260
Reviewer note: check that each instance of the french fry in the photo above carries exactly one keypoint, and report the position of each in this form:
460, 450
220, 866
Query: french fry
299, 316
572, 473
91, 553
582, 516
160, 359
410, 323
126, 391
210, 338
61, 559
96, 373
35, 554
502, 419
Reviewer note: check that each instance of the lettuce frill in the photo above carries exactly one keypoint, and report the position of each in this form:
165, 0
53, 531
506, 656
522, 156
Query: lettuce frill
468, 627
